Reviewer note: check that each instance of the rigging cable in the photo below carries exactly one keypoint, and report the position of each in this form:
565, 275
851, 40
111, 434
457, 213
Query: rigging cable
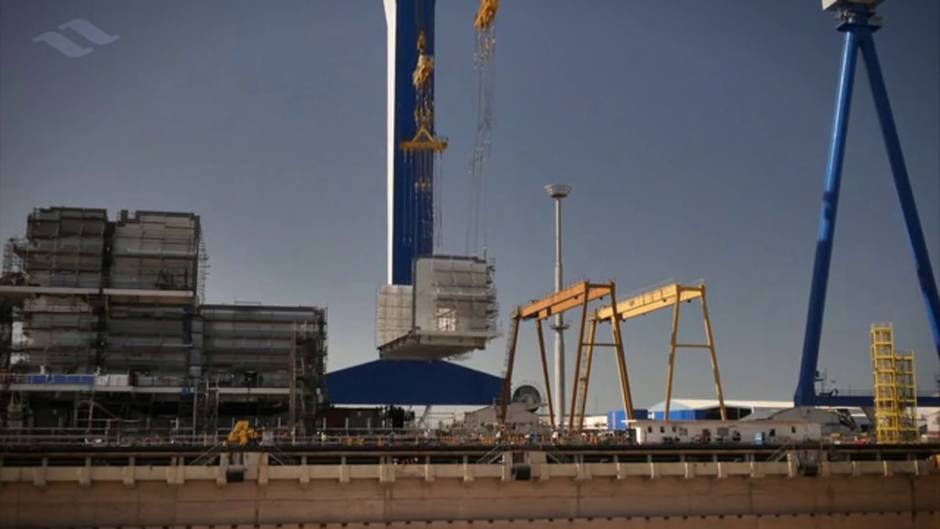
485, 49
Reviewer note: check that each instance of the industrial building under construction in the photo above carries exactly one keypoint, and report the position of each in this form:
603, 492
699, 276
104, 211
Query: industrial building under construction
103, 323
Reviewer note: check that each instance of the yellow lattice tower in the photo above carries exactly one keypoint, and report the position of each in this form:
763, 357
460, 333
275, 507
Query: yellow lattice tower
885, 384
905, 378
895, 388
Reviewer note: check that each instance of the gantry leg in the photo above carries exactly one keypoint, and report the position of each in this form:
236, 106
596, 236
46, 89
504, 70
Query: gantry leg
588, 362
902, 184
709, 340
577, 361
672, 354
805, 391
510, 359
548, 384
622, 373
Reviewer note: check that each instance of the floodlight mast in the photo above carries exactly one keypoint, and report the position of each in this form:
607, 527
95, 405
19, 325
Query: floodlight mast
557, 192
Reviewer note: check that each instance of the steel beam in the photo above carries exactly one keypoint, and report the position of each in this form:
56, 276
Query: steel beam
805, 390
902, 183
548, 382
565, 300
651, 301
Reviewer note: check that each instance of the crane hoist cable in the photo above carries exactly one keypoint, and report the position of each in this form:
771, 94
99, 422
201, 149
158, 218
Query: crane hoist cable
423, 149
484, 23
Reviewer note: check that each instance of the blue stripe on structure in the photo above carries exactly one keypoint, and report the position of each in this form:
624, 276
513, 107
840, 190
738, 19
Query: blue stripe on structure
413, 228
412, 382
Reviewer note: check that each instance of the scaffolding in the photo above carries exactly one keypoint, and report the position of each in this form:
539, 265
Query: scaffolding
62, 333
895, 388
64, 247
101, 320
155, 250
12, 262
450, 311
250, 345
205, 407
306, 372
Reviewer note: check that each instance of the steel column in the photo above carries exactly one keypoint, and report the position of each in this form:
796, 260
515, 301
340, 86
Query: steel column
548, 382
588, 361
510, 360
577, 361
805, 391
623, 375
559, 326
915, 233
672, 356
858, 26
710, 340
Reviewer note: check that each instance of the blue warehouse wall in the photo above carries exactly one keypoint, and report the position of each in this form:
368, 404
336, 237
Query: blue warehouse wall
617, 419
682, 415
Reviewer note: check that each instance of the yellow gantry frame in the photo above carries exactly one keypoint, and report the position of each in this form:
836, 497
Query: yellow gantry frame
577, 295
672, 295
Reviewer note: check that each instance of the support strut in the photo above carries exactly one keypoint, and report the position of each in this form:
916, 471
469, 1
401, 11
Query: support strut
859, 24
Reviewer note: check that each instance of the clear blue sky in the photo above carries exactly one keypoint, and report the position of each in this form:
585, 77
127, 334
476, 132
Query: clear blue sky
694, 135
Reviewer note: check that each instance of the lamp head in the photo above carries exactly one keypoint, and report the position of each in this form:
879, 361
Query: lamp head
558, 190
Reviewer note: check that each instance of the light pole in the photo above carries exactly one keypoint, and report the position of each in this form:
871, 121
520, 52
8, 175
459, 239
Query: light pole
558, 192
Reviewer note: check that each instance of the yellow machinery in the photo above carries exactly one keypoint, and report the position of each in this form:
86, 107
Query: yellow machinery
673, 296
895, 388
576, 296
486, 14
242, 434
424, 140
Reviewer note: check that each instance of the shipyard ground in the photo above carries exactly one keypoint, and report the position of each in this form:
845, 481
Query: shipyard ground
472, 486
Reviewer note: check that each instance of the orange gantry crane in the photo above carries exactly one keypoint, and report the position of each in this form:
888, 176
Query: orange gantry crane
579, 295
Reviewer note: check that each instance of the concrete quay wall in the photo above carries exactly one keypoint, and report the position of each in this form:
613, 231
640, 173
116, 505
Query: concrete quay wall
594, 495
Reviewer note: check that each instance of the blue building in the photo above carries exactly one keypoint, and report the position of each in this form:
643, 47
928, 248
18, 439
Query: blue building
699, 410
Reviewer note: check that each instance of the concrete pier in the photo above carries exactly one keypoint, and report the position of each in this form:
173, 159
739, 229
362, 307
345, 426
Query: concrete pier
903, 494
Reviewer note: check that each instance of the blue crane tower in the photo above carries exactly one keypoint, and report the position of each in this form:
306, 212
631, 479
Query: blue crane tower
858, 21
433, 306
412, 145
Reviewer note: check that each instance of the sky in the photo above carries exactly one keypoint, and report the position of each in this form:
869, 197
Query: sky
694, 135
